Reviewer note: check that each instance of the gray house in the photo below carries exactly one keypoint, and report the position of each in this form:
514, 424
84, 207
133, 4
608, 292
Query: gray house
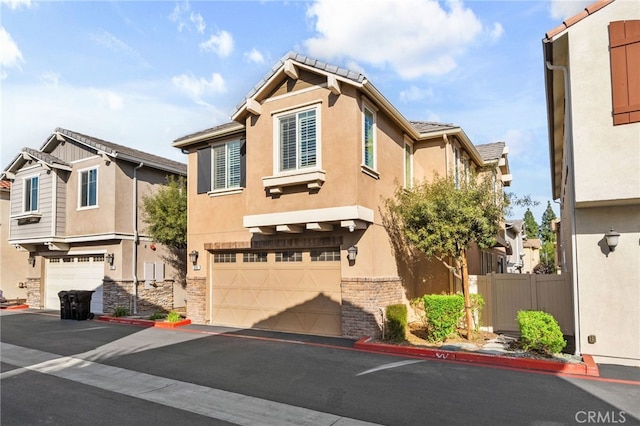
75, 206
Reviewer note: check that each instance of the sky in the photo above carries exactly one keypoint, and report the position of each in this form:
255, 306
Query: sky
144, 73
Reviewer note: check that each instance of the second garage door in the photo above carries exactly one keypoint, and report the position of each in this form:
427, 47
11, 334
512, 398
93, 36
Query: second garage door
74, 273
293, 291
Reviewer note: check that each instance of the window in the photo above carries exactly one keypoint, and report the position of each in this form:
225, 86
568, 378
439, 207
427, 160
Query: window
224, 258
226, 166
330, 255
31, 187
369, 138
88, 188
624, 37
254, 257
289, 256
456, 166
408, 165
297, 140
221, 167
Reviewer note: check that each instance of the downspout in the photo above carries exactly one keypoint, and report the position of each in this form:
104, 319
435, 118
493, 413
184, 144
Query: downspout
134, 260
568, 145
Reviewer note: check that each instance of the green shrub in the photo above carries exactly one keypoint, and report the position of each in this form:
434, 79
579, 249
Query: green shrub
539, 331
173, 316
443, 312
157, 315
396, 323
120, 311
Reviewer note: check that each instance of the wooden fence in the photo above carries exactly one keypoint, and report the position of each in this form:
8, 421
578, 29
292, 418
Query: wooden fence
506, 294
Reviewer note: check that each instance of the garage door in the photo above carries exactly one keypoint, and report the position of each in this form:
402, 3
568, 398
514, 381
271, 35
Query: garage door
74, 273
293, 291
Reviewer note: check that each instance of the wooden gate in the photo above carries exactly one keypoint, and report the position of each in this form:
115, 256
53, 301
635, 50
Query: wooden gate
506, 294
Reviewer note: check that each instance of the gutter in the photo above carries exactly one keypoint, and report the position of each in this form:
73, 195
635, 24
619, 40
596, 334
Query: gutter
568, 147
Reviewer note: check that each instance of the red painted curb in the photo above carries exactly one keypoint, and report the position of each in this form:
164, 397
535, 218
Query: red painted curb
586, 368
143, 322
15, 307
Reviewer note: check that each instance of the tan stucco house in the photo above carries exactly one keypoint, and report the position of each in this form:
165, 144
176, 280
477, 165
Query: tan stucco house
285, 201
592, 76
75, 209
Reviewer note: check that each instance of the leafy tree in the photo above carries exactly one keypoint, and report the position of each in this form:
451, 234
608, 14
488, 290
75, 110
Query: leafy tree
548, 237
531, 227
165, 213
442, 222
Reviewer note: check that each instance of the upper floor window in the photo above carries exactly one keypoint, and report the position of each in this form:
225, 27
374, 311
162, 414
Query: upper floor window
408, 165
226, 166
221, 167
298, 141
88, 188
369, 138
31, 189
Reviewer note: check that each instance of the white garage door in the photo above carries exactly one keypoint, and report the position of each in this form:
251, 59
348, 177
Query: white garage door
74, 273
293, 291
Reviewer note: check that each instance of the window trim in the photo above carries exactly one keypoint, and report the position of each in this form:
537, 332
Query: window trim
367, 106
80, 173
30, 178
227, 189
277, 143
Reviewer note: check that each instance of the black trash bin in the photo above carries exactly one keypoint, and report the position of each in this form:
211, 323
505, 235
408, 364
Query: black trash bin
80, 302
65, 305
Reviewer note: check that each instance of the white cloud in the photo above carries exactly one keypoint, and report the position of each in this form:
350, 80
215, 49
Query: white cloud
416, 37
31, 113
15, 4
176, 14
254, 56
197, 19
10, 55
496, 31
197, 88
563, 9
111, 42
414, 93
50, 78
221, 44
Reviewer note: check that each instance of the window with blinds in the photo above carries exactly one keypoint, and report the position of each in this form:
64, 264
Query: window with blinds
298, 140
226, 165
369, 138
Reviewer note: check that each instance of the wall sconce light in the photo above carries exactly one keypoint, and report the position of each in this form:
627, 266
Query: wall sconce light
109, 259
193, 256
351, 253
32, 261
612, 238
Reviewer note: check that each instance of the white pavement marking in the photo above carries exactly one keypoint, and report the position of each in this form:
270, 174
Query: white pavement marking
388, 366
215, 403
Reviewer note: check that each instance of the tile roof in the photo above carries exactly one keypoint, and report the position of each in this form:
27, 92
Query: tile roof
491, 151
114, 149
323, 66
589, 10
214, 129
5, 184
431, 126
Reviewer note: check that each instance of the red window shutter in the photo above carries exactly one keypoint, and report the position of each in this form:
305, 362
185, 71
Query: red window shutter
624, 39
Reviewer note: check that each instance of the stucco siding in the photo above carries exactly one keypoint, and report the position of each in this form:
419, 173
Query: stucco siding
607, 157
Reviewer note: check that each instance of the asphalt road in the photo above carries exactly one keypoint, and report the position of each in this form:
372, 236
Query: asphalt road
65, 372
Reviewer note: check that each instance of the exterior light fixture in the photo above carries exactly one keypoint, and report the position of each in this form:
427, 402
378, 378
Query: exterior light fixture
32, 261
612, 238
193, 256
351, 253
109, 259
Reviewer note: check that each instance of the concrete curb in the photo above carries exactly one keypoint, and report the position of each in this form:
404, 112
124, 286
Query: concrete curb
143, 322
587, 368
11, 307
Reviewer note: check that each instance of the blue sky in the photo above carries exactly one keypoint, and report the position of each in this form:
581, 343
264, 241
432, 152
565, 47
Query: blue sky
143, 73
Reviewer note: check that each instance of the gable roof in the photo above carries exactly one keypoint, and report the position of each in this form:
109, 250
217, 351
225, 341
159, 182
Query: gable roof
228, 128
589, 10
109, 150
